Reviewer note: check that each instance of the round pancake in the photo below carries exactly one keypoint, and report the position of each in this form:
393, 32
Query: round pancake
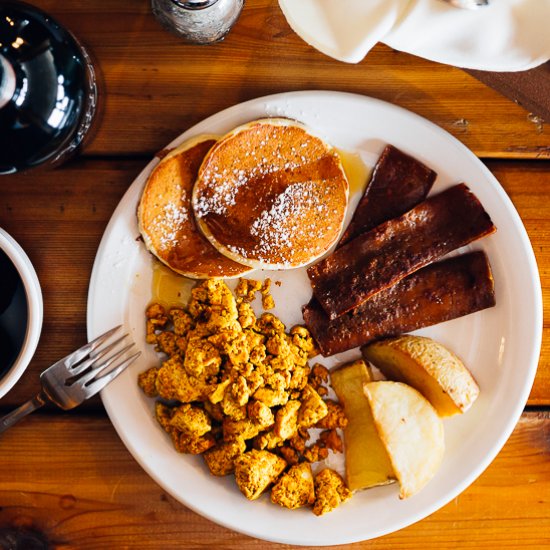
271, 195
166, 219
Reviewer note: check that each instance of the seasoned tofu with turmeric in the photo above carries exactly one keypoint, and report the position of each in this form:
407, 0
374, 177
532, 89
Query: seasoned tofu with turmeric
237, 389
330, 491
312, 409
256, 470
295, 488
191, 420
221, 459
147, 381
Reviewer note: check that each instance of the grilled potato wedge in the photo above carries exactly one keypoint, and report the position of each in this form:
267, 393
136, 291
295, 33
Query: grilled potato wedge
411, 431
367, 461
437, 373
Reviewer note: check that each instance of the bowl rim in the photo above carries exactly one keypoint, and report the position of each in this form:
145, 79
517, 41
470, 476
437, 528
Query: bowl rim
35, 309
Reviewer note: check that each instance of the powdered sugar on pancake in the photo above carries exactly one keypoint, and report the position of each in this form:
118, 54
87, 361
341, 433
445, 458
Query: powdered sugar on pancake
271, 195
166, 219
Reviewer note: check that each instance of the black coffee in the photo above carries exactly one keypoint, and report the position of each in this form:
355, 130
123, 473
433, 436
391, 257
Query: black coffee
13, 313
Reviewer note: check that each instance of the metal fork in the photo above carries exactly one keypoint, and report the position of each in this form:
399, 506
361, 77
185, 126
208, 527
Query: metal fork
76, 377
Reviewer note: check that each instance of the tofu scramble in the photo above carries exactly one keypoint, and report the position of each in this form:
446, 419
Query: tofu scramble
237, 389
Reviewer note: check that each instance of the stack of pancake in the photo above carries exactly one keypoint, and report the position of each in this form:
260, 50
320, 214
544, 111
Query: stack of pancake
268, 195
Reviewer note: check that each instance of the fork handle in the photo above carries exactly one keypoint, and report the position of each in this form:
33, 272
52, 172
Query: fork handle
26, 408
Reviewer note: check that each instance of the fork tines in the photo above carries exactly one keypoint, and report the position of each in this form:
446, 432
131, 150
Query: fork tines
88, 366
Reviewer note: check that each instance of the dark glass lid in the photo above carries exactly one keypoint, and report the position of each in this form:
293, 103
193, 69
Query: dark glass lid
45, 72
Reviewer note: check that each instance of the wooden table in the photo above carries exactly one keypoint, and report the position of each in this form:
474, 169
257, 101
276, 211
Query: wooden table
66, 478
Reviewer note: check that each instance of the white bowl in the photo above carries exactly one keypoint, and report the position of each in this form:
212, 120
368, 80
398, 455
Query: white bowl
35, 310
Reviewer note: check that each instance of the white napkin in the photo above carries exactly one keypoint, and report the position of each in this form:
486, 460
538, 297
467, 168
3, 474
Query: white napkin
507, 35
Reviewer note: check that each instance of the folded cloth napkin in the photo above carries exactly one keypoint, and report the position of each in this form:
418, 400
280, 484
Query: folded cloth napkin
507, 35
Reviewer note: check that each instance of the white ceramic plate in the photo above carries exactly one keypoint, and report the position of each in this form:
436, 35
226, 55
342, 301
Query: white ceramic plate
500, 345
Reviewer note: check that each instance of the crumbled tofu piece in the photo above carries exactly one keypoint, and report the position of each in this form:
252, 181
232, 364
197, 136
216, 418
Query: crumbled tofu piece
147, 381
183, 322
184, 443
201, 358
315, 452
166, 343
260, 413
330, 492
214, 410
331, 440
319, 376
240, 429
240, 390
298, 355
277, 344
155, 319
256, 470
174, 383
221, 459
299, 441
247, 317
299, 378
233, 344
268, 324
254, 380
267, 440
267, 300
313, 408
232, 408
295, 488
163, 414
302, 338
286, 420
289, 454
191, 420
213, 306
335, 418
247, 288
217, 395
156, 312
181, 344
271, 397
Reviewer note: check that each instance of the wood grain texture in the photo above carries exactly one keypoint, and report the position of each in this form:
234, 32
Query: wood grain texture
67, 481
104, 499
61, 227
156, 86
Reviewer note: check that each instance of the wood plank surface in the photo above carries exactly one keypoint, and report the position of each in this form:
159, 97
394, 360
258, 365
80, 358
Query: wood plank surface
103, 499
62, 226
156, 86
67, 480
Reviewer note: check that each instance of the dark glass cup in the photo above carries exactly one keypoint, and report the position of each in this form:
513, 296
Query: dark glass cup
48, 90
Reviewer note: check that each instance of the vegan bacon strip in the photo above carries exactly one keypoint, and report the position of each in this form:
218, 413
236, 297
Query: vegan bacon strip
396, 248
439, 292
398, 183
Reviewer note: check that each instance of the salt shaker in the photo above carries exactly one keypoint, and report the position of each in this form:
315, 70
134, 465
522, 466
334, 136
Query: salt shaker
198, 21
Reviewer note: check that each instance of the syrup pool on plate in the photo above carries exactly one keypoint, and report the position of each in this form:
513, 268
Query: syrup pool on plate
169, 288
356, 170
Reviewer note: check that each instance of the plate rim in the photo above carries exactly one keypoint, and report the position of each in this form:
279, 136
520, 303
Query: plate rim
532, 361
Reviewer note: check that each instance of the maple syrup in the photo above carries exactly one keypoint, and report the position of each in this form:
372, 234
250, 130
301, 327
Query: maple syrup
169, 288
356, 171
